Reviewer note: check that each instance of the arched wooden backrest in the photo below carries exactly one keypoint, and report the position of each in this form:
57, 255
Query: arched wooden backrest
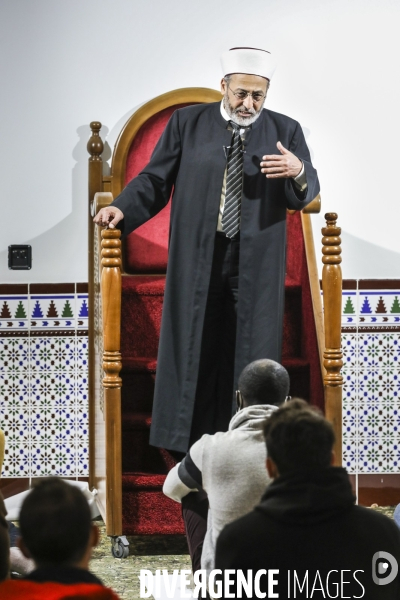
139, 118
145, 251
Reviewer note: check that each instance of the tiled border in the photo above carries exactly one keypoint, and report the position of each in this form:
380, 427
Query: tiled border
14, 307
371, 372
44, 379
43, 306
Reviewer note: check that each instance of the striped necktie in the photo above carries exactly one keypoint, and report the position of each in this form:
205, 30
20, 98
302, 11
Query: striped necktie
233, 190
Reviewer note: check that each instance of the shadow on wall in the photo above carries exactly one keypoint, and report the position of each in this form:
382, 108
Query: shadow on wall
307, 133
115, 131
363, 260
60, 253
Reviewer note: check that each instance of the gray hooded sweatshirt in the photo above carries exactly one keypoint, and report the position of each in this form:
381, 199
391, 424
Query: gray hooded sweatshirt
230, 467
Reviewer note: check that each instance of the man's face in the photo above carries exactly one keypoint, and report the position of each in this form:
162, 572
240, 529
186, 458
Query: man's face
244, 111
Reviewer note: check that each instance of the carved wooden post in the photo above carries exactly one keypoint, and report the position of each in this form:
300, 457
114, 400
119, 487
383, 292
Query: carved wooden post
95, 148
111, 303
332, 290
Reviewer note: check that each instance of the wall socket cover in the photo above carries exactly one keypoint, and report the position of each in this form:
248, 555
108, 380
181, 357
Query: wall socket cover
20, 257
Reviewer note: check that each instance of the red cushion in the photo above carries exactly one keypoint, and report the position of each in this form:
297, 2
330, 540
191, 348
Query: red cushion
146, 249
297, 274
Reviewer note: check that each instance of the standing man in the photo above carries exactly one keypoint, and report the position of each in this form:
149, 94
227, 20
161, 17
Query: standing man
234, 169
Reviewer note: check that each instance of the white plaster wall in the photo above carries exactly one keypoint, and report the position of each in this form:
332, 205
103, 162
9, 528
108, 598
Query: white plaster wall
67, 62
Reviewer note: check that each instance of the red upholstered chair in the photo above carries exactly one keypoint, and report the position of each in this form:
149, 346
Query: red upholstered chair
139, 470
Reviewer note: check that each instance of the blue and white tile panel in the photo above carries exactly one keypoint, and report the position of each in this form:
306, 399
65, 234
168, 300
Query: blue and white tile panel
371, 372
44, 384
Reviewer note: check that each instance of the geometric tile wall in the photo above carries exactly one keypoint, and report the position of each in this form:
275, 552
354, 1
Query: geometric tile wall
371, 373
44, 379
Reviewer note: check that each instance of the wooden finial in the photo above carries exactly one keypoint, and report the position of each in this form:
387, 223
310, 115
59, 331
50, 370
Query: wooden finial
331, 218
111, 303
111, 248
95, 144
331, 241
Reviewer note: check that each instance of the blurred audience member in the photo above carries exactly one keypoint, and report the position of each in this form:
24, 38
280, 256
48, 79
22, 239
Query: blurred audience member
307, 526
58, 535
226, 471
4, 543
396, 515
19, 564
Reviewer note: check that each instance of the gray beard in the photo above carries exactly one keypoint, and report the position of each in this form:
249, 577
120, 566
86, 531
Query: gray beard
234, 113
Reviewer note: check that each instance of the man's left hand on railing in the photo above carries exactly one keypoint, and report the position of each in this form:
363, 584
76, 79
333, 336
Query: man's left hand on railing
109, 216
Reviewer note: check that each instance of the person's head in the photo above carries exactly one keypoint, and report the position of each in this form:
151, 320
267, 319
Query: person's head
247, 75
298, 439
263, 381
56, 527
244, 97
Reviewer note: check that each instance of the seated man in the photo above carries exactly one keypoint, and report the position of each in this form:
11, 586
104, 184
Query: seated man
4, 543
57, 533
307, 526
11, 559
228, 467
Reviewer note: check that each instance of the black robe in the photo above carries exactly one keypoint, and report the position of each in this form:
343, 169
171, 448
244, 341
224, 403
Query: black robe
190, 159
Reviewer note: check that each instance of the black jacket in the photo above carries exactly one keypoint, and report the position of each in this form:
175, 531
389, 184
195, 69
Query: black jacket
308, 527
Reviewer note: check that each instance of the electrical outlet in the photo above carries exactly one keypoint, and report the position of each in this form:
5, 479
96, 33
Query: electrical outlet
20, 257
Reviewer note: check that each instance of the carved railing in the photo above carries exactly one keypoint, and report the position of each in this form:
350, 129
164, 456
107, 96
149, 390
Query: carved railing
95, 148
111, 313
332, 291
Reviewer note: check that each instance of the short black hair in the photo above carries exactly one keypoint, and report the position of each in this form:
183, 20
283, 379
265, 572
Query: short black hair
264, 381
299, 438
55, 523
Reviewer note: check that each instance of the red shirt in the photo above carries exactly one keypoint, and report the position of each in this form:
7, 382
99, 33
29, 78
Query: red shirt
14, 589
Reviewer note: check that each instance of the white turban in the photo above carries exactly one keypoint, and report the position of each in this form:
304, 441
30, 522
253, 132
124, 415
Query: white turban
251, 61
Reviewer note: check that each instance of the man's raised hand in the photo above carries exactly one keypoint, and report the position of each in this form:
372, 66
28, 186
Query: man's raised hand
110, 215
285, 164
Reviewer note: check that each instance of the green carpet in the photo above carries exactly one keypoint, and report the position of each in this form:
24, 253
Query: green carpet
159, 552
